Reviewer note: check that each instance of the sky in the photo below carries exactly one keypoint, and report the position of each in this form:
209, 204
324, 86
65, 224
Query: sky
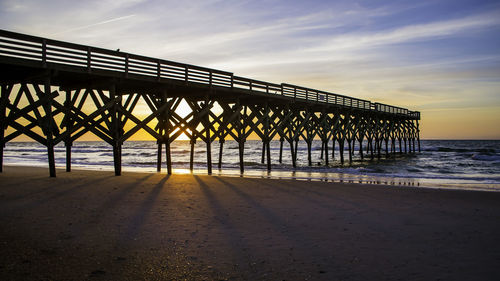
441, 58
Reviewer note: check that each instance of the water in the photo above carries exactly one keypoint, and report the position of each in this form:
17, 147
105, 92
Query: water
453, 164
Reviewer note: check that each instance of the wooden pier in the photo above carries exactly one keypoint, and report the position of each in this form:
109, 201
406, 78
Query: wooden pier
54, 91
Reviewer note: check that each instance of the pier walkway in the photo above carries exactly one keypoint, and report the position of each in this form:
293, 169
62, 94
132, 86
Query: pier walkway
54, 91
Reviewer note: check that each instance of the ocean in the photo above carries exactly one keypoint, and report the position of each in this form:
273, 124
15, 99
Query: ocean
450, 164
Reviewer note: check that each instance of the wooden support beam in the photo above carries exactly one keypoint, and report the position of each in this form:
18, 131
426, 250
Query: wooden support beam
350, 150
209, 157
74, 119
341, 150
409, 144
322, 149
353, 149
117, 158
268, 149
221, 146
241, 140
379, 147
49, 118
324, 133
42, 97
44, 121
267, 139
386, 140
208, 141
294, 162
4, 98
241, 136
296, 150
309, 158
95, 95
159, 140
361, 134
263, 152
418, 136
168, 155
333, 148
361, 148
325, 145
281, 151
221, 134
158, 156
191, 155
68, 124
241, 148
167, 127
68, 157
353, 146
116, 130
372, 149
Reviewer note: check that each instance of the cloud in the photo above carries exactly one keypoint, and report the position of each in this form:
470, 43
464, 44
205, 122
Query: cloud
426, 31
93, 25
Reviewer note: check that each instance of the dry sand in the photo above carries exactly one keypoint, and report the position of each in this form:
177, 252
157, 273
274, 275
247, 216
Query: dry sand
92, 225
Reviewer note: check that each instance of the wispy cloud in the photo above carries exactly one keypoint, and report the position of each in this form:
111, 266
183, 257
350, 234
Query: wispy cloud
93, 25
410, 33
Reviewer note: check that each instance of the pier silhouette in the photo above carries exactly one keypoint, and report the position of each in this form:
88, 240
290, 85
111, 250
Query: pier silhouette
101, 89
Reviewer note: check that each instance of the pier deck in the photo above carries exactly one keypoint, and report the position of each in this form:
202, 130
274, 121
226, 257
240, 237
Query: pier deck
54, 91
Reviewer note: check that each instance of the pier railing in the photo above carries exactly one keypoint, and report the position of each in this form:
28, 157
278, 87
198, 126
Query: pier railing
90, 59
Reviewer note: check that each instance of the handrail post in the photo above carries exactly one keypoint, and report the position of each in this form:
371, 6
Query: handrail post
44, 53
158, 70
126, 65
232, 81
186, 73
89, 57
210, 78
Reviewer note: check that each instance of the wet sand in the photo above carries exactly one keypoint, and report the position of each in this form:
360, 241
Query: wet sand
92, 225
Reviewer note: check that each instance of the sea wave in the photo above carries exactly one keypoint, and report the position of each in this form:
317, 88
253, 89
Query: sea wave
461, 150
486, 157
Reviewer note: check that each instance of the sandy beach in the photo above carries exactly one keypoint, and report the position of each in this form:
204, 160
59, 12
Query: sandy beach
92, 225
